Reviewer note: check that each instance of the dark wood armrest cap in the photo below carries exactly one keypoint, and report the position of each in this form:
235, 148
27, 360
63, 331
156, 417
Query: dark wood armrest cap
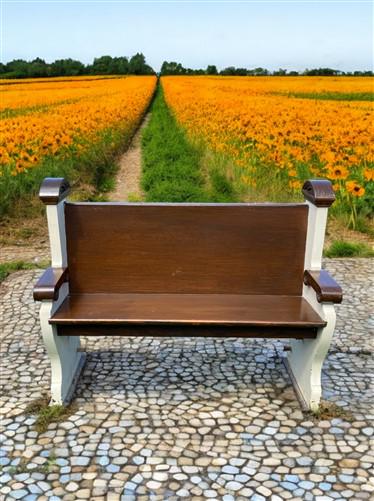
48, 285
319, 192
53, 190
328, 291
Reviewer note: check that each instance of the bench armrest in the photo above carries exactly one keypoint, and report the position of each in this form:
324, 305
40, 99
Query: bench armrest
48, 285
328, 291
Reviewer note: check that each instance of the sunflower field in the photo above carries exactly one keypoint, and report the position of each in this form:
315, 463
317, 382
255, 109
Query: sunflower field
279, 131
65, 127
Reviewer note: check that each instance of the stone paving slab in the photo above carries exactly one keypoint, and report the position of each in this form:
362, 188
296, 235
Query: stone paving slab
171, 419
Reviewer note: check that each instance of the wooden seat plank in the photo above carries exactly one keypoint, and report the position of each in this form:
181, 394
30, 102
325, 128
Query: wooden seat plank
192, 309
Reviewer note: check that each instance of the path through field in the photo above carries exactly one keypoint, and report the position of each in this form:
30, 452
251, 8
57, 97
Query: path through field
128, 177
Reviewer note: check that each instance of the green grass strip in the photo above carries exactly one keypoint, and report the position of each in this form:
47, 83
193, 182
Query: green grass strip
42, 108
171, 164
7, 268
332, 96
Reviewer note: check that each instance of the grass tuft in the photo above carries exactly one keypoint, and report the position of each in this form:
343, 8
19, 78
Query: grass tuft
37, 404
134, 197
7, 268
47, 414
329, 410
340, 248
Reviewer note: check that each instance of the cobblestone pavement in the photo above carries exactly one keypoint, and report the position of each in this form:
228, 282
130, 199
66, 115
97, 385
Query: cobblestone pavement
188, 418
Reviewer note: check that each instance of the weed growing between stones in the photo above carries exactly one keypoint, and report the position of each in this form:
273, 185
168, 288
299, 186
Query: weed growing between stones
47, 414
328, 410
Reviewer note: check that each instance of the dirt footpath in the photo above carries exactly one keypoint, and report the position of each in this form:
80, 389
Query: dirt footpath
130, 167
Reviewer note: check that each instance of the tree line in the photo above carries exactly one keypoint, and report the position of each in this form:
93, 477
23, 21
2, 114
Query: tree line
104, 65
137, 65
173, 68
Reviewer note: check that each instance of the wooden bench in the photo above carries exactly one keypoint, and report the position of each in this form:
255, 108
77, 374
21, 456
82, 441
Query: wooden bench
231, 270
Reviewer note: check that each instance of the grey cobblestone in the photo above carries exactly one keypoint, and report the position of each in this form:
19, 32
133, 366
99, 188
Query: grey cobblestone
188, 418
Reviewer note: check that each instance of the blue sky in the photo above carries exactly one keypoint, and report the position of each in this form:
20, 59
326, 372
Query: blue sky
291, 35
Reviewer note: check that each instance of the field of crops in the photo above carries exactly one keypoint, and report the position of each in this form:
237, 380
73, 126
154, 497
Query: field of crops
71, 127
281, 130
266, 134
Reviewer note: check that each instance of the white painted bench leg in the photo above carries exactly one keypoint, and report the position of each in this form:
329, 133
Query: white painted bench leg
306, 358
66, 361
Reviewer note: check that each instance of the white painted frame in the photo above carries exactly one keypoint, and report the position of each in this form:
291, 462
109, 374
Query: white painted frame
63, 351
304, 361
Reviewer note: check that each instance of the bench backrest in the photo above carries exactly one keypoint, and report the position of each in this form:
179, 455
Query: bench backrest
186, 248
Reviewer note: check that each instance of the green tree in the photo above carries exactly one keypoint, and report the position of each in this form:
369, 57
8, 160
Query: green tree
37, 68
66, 67
138, 65
280, 73
119, 66
230, 70
18, 68
211, 70
102, 65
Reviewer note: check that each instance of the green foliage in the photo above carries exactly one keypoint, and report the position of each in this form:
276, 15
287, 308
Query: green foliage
11, 113
240, 72
134, 197
51, 414
36, 405
7, 268
27, 110
329, 410
211, 70
47, 414
221, 186
49, 465
174, 68
171, 164
107, 65
334, 96
66, 67
340, 248
326, 72
138, 65
104, 65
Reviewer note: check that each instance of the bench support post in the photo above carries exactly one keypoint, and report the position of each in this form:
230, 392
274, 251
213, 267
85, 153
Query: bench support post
66, 361
305, 360
63, 351
306, 357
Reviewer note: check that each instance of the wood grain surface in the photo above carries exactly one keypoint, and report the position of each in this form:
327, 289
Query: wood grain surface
186, 248
195, 309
